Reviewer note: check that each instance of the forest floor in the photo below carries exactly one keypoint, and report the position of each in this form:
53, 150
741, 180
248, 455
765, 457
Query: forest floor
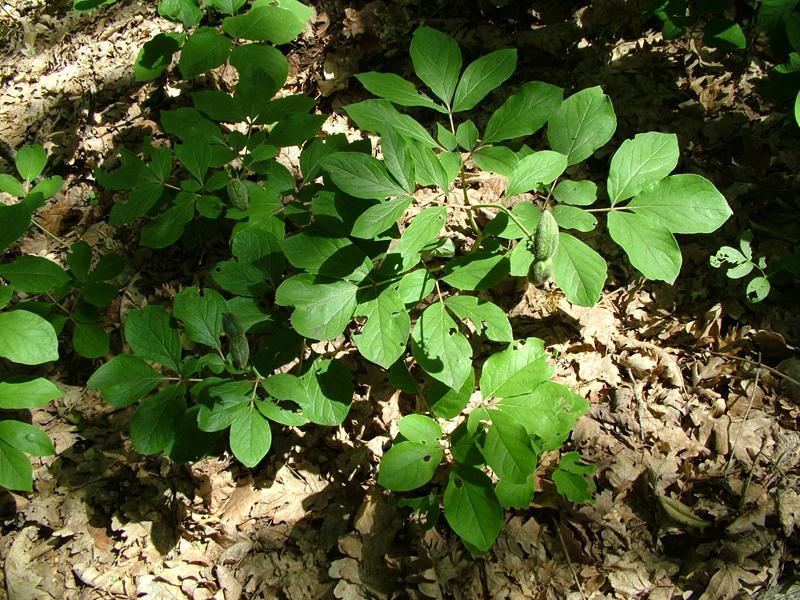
685, 400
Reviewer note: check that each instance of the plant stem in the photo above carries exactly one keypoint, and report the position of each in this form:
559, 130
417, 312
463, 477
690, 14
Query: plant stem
52, 235
472, 222
511, 215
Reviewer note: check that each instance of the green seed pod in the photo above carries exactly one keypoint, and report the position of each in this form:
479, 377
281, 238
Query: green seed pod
231, 325
545, 240
238, 194
240, 351
540, 271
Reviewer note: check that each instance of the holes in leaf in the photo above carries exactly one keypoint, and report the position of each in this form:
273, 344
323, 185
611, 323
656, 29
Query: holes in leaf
458, 483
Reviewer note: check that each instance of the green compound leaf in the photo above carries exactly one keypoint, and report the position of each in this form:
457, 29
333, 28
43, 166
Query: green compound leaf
507, 449
154, 423
27, 438
396, 89
30, 161
205, 49
650, 246
439, 348
377, 219
361, 176
685, 203
125, 379
447, 403
151, 335
419, 428
201, 315
437, 61
571, 478
250, 436
156, 55
379, 116
471, 507
27, 338
577, 193
409, 465
579, 271
28, 394
258, 266
583, 123
168, 227
524, 112
773, 13
479, 270
572, 217
322, 310
16, 472
265, 22
184, 11
11, 185
482, 76
641, 162
516, 370
384, 337
34, 274
90, 340
484, 314
219, 106
540, 167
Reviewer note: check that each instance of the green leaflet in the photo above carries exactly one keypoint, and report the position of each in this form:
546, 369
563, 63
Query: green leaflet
27, 338
380, 217
384, 337
201, 315
362, 176
524, 112
640, 162
396, 89
538, 168
650, 246
419, 428
205, 49
516, 370
125, 379
16, 472
471, 507
379, 115
409, 465
482, 76
583, 123
27, 438
439, 349
437, 61
572, 217
322, 310
34, 274
154, 423
508, 449
477, 271
27, 394
485, 316
578, 270
30, 161
571, 478
324, 392
250, 436
151, 335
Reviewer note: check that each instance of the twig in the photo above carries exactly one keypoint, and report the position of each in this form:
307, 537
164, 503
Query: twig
569, 562
52, 235
750, 361
639, 403
744, 420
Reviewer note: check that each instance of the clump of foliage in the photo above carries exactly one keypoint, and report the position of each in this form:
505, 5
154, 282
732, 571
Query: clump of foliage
326, 260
